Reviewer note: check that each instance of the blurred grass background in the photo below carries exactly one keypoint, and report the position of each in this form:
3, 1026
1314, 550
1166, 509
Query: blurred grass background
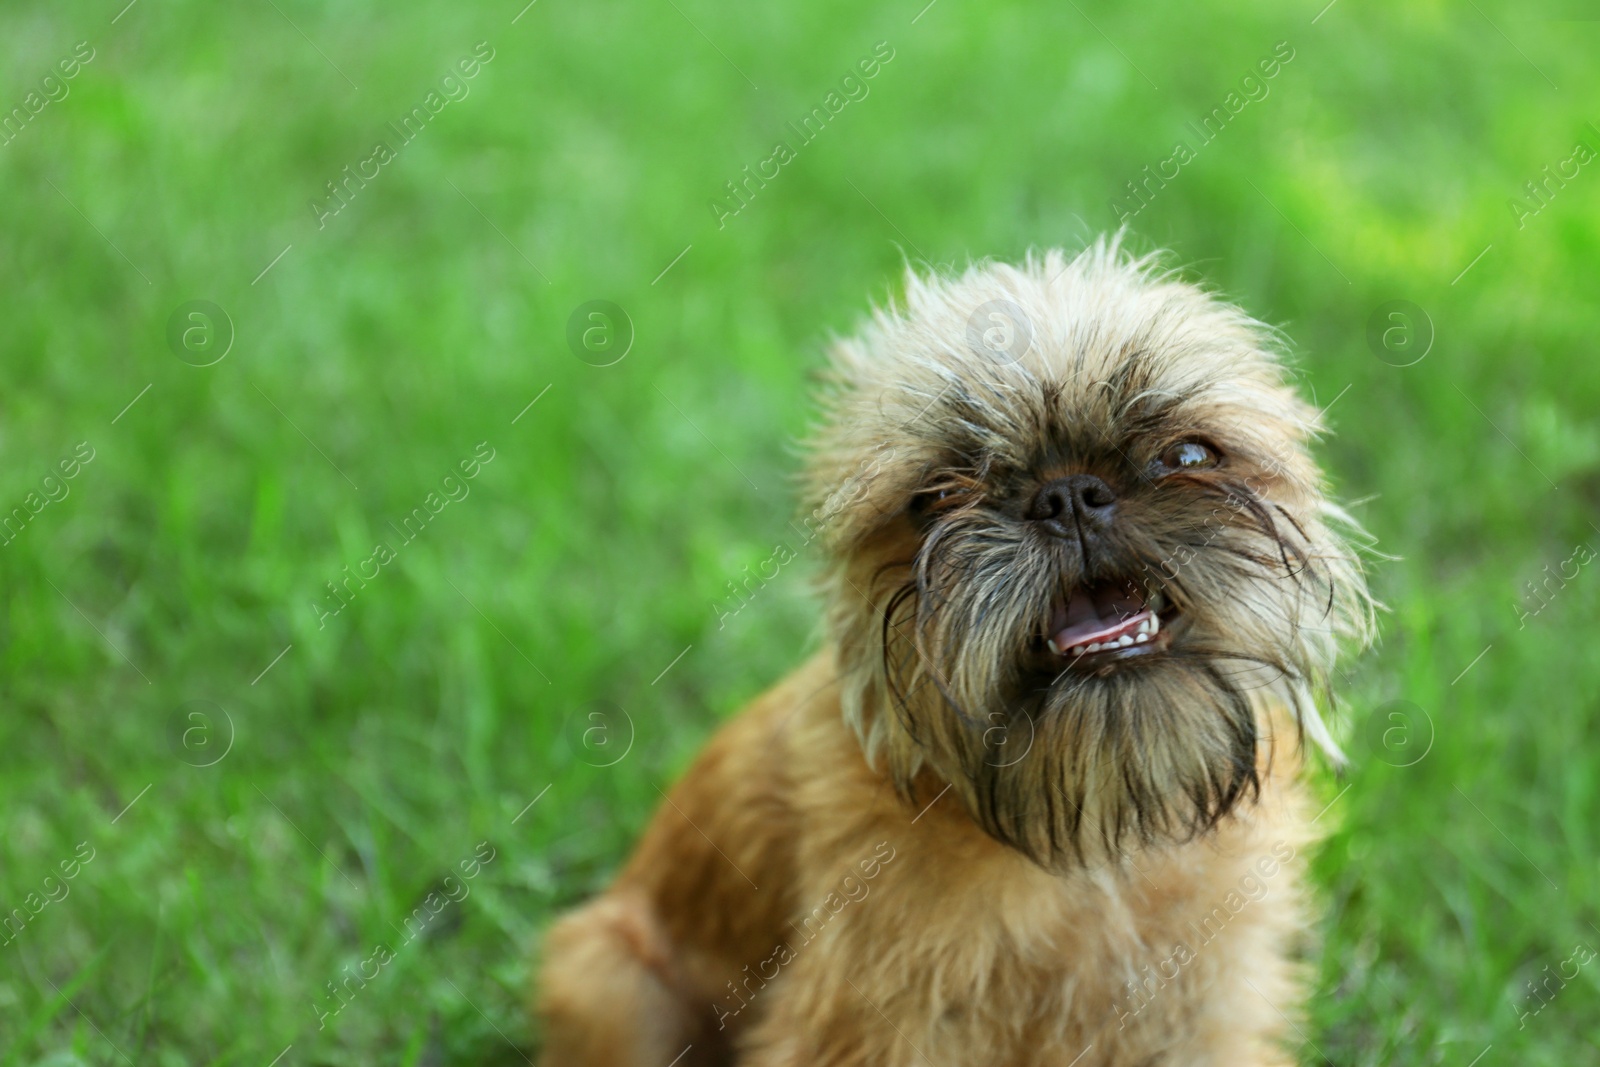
160, 616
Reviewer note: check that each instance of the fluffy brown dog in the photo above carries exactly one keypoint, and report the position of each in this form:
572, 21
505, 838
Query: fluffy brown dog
1035, 803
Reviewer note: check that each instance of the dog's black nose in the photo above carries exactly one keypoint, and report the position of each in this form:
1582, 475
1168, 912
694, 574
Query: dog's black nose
1065, 504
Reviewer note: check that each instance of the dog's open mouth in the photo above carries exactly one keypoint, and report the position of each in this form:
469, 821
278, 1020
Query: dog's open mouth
1108, 622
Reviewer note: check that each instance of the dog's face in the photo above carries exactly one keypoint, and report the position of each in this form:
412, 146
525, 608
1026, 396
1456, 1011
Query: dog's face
1075, 541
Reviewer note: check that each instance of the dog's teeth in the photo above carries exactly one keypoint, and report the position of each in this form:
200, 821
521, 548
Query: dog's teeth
1141, 639
1054, 647
1094, 646
1124, 641
1155, 624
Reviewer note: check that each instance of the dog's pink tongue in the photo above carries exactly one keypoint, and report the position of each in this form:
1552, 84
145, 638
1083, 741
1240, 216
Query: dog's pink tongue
1090, 614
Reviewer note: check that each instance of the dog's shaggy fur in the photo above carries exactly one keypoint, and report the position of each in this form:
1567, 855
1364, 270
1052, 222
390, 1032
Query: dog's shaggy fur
947, 840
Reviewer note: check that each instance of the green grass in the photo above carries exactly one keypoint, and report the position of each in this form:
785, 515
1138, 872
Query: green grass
375, 755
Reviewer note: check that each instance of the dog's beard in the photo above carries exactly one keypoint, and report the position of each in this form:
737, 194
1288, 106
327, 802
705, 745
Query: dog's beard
1075, 763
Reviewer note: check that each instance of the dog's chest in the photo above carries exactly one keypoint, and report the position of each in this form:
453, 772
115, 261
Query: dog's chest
979, 946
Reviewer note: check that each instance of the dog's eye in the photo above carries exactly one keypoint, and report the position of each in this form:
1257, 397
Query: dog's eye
934, 501
1188, 456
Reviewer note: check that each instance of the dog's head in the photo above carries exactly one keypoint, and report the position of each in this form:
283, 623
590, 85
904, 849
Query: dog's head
1074, 542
